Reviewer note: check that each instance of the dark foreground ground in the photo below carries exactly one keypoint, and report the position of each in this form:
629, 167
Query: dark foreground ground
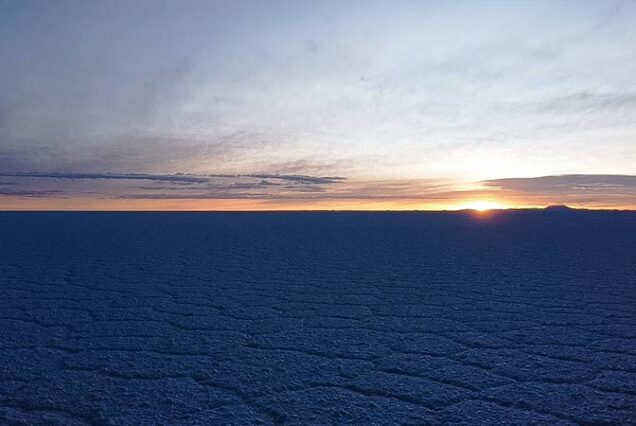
317, 318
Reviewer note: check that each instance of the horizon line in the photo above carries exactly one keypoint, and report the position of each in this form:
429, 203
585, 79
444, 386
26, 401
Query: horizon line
463, 210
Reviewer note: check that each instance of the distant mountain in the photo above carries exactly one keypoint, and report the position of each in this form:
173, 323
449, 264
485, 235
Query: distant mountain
559, 208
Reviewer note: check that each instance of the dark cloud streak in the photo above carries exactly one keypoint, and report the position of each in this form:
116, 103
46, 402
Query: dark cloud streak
568, 184
578, 190
179, 177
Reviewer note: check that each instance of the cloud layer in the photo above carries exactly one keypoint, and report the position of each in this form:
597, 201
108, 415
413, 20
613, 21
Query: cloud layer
379, 90
415, 103
276, 190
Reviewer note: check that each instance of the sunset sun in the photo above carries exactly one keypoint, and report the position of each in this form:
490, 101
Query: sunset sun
483, 205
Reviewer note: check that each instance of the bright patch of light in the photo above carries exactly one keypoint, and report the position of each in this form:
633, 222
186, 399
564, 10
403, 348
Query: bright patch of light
482, 206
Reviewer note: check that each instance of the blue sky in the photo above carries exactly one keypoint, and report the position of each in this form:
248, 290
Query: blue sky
382, 94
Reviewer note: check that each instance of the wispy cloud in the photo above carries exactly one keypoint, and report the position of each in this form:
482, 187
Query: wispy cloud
46, 193
177, 177
273, 190
166, 186
568, 185
114, 176
361, 89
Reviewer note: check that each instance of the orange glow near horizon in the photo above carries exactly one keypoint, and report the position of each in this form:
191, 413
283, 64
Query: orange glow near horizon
483, 205
104, 204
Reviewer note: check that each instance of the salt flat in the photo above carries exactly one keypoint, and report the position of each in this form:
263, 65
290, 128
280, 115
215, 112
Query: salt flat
522, 317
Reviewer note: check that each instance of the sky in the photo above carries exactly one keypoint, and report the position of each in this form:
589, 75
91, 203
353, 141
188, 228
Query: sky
250, 105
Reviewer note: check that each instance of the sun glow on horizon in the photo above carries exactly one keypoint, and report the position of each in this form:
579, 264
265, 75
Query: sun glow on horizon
483, 205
